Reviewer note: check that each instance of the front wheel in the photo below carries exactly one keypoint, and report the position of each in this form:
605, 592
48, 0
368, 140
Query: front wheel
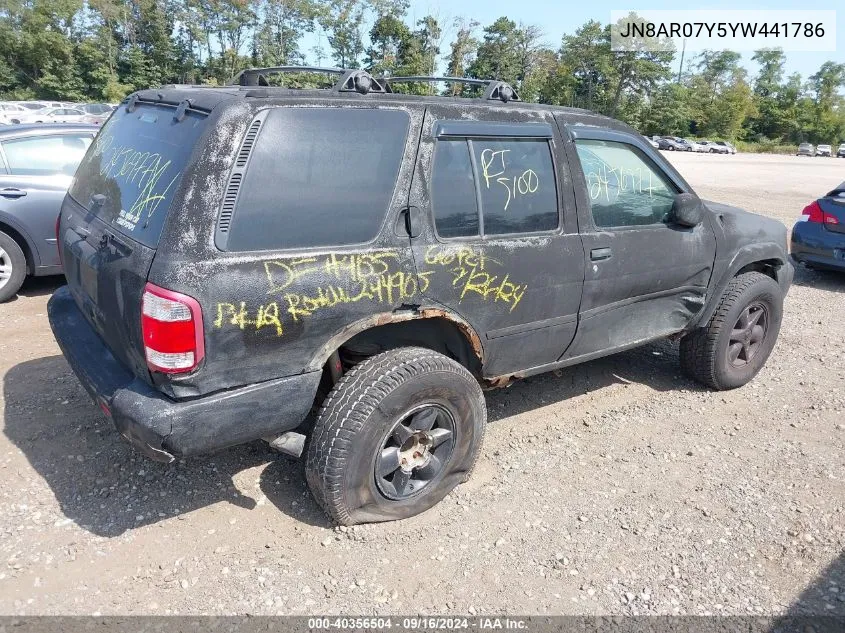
395, 436
741, 334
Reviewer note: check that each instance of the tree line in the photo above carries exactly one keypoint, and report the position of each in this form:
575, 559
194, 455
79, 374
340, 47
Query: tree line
101, 50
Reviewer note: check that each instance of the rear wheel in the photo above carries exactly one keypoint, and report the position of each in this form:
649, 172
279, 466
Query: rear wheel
741, 334
397, 433
12, 267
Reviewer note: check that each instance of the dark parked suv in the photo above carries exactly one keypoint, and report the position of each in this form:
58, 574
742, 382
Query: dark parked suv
237, 256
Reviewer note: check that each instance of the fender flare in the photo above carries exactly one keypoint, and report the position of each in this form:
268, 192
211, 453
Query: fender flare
11, 221
340, 337
749, 254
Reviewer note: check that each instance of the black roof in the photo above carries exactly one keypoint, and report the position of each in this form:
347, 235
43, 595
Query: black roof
206, 98
37, 129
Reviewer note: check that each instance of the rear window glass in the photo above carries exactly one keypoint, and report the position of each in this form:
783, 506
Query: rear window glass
319, 177
136, 162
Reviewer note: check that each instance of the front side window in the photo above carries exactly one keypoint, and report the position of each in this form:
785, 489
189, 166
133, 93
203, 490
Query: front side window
319, 177
625, 188
46, 155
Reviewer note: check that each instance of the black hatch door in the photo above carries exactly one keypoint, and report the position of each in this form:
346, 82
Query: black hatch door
114, 213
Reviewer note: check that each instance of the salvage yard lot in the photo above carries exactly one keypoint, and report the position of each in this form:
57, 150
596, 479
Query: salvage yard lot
617, 486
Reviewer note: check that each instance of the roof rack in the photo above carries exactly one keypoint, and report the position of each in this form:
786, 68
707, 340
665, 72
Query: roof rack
494, 89
350, 80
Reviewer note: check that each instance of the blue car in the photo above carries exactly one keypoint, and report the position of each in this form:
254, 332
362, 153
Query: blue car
37, 163
818, 238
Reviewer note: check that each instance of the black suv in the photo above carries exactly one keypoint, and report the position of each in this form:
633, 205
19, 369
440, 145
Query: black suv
237, 256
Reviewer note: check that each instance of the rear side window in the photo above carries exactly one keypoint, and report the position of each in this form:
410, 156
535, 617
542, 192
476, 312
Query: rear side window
515, 181
136, 162
625, 187
453, 190
46, 155
318, 177
518, 191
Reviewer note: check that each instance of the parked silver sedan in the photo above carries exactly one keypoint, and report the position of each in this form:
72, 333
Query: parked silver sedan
37, 164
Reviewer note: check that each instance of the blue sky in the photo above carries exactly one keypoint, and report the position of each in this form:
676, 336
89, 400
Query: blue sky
556, 18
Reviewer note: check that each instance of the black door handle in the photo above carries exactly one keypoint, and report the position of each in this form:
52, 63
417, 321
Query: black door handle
599, 254
12, 192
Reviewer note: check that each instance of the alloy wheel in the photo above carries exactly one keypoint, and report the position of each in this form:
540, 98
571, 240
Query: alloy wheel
5, 267
415, 451
748, 334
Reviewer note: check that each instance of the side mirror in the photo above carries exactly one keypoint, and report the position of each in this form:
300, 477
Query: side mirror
687, 210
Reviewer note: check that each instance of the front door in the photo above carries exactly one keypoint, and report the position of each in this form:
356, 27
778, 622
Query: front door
498, 242
646, 277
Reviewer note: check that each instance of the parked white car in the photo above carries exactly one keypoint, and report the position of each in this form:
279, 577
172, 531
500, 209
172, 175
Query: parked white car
12, 113
694, 146
54, 115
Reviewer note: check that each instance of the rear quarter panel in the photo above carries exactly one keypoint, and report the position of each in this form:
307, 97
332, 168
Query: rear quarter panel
267, 314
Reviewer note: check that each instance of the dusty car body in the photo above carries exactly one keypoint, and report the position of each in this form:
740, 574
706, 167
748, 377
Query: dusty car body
269, 261
806, 149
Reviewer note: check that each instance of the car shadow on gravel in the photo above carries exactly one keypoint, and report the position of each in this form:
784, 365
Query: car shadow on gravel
103, 485
655, 365
41, 286
828, 280
107, 488
825, 596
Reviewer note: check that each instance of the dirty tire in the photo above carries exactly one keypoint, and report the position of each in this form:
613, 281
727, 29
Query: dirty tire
362, 413
704, 352
12, 256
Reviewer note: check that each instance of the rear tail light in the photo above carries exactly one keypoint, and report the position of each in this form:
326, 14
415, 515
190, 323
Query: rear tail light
173, 333
814, 213
58, 241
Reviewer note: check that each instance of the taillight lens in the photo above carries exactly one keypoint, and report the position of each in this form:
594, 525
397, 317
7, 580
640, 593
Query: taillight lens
58, 241
814, 213
172, 327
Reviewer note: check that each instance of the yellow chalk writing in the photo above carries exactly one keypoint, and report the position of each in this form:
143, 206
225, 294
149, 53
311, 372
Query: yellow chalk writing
305, 286
238, 316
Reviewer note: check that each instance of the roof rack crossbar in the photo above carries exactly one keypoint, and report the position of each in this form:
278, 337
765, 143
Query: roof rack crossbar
494, 89
349, 80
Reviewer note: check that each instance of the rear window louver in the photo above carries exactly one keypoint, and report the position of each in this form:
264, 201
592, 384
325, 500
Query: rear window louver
249, 141
230, 198
229, 203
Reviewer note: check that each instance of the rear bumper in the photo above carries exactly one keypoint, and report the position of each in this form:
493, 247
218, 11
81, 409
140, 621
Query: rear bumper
815, 245
162, 428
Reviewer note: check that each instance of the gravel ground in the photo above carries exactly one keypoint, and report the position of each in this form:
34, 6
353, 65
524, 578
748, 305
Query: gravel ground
616, 487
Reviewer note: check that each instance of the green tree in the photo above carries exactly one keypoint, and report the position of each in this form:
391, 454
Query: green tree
769, 121
388, 35
343, 20
497, 56
462, 52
